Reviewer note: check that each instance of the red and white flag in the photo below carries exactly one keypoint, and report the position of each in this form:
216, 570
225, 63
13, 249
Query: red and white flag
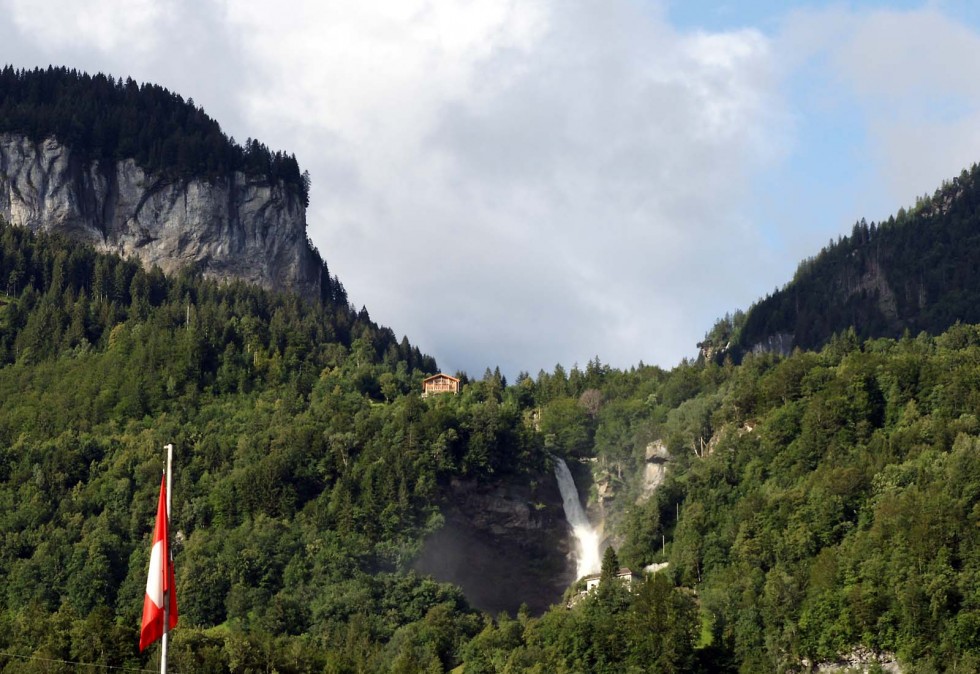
160, 581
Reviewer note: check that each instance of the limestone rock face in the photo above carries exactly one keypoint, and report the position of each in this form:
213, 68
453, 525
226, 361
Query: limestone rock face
654, 470
657, 451
859, 659
229, 228
780, 343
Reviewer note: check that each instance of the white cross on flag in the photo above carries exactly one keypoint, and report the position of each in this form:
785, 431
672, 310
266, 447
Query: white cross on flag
160, 581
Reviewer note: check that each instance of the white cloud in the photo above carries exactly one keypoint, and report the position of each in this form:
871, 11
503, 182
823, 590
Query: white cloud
184, 45
524, 182
516, 183
106, 25
548, 175
914, 79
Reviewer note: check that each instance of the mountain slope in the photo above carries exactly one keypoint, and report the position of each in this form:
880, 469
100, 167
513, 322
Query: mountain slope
309, 469
138, 171
815, 506
820, 506
917, 271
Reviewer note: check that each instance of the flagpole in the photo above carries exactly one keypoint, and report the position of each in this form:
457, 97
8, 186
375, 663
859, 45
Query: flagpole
166, 593
170, 458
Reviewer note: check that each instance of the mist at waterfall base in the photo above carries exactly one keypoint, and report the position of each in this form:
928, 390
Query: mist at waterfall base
588, 560
504, 543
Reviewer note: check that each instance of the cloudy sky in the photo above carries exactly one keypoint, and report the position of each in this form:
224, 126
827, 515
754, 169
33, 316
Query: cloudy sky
529, 182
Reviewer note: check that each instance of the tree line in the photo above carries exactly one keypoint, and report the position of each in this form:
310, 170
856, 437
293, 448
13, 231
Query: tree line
914, 271
107, 119
815, 503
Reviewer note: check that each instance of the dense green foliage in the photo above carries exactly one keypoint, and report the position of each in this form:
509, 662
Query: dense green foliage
836, 504
102, 118
816, 503
309, 472
612, 630
916, 271
302, 495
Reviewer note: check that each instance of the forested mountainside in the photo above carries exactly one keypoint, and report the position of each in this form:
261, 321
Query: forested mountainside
916, 271
135, 170
299, 494
103, 118
820, 505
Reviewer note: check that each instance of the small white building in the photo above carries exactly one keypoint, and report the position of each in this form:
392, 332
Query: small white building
624, 575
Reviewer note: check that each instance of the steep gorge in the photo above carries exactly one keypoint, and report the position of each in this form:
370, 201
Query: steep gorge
504, 543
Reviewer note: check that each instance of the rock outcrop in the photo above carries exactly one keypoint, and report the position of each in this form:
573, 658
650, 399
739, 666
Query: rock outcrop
228, 228
860, 659
780, 343
873, 283
654, 470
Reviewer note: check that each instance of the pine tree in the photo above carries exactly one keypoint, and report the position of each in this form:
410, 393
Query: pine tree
610, 564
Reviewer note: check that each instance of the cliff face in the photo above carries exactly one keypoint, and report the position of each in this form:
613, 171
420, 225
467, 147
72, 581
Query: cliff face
504, 544
229, 228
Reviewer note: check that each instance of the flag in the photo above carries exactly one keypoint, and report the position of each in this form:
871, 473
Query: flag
160, 580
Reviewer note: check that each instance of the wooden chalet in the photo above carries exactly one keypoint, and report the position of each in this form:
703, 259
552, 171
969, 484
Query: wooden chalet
439, 383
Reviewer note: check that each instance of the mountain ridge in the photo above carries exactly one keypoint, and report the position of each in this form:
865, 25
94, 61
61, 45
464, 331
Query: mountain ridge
913, 272
136, 170
228, 227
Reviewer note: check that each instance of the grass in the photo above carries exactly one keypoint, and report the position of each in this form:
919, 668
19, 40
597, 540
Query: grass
707, 630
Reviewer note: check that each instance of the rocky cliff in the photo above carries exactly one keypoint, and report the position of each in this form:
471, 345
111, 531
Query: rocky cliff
505, 544
229, 228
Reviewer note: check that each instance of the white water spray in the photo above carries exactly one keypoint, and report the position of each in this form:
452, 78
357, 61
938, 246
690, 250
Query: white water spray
586, 537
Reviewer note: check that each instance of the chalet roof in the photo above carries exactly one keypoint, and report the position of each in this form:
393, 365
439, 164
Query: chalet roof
440, 376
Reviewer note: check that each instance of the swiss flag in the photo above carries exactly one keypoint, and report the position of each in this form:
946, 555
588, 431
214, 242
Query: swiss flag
160, 579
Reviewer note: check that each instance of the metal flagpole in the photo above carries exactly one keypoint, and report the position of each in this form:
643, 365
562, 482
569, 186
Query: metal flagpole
166, 594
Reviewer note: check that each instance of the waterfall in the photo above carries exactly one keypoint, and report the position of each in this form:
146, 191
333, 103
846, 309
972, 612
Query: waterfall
586, 537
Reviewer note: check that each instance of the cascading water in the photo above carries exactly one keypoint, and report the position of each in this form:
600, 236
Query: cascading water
586, 537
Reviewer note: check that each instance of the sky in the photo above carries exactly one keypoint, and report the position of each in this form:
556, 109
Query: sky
523, 183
